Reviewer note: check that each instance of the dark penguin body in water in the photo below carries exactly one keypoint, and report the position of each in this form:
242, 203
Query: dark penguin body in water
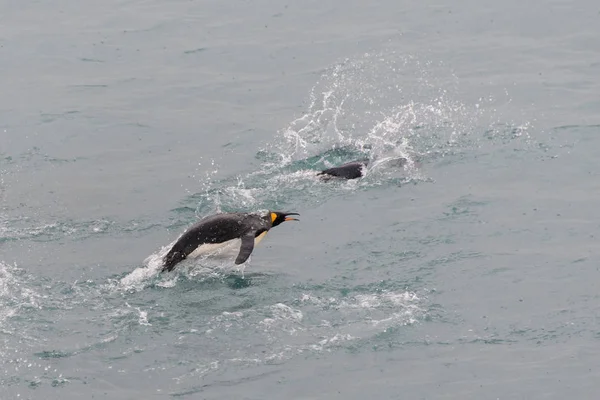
353, 169
220, 230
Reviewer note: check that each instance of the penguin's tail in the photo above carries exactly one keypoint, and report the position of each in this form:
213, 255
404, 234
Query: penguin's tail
171, 260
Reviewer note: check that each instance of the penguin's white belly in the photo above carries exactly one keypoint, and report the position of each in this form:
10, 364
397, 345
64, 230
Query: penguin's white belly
230, 248
225, 249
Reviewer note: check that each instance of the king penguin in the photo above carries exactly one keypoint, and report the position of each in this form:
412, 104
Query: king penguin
357, 169
220, 230
351, 170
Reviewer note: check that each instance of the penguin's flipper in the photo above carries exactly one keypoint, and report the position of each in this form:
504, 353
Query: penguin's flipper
246, 248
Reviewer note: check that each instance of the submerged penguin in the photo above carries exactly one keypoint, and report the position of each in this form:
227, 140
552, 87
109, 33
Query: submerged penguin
353, 169
220, 230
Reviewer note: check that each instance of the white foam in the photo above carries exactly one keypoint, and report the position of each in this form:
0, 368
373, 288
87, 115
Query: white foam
138, 278
143, 317
327, 343
281, 312
14, 293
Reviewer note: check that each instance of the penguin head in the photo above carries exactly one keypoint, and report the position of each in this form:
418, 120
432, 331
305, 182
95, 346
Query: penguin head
277, 217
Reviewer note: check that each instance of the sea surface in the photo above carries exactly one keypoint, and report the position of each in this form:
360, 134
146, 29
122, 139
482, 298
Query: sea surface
469, 272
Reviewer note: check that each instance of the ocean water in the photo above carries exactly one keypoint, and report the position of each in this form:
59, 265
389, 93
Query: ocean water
467, 272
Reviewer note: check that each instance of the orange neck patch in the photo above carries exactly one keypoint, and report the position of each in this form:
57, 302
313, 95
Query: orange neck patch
273, 217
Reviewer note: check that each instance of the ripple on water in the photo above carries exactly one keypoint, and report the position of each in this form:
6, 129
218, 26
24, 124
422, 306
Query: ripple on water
21, 303
310, 324
358, 109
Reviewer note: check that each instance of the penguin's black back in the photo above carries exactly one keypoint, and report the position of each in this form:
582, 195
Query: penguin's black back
217, 228
351, 170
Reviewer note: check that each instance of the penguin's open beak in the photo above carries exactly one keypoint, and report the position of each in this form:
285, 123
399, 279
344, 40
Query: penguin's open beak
287, 218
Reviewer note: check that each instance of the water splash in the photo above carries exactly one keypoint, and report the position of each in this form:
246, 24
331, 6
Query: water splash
143, 276
216, 265
15, 295
399, 112
383, 107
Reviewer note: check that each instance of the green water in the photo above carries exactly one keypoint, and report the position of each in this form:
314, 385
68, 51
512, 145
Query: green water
468, 272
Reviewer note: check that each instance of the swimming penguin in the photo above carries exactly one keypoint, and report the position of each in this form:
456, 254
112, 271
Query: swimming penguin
351, 170
220, 230
356, 169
